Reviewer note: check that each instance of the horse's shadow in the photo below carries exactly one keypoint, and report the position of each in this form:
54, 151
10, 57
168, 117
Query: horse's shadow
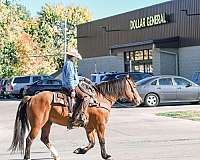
34, 159
45, 158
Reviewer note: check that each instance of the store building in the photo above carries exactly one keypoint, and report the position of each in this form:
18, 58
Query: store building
162, 39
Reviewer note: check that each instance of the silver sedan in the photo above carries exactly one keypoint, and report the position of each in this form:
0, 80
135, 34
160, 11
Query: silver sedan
164, 89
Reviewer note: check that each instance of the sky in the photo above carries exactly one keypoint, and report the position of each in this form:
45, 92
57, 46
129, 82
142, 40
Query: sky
98, 8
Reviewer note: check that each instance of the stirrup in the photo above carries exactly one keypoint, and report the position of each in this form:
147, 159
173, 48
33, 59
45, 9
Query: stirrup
70, 124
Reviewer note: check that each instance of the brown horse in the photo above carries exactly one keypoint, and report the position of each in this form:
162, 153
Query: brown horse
39, 112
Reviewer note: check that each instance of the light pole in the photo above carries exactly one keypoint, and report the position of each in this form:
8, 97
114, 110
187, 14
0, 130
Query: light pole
61, 28
65, 42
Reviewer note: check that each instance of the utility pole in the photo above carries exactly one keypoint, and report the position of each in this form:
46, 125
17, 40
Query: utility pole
65, 41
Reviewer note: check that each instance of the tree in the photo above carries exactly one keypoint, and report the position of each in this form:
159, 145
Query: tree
51, 29
35, 45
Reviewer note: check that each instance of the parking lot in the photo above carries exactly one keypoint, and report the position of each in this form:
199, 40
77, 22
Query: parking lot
132, 134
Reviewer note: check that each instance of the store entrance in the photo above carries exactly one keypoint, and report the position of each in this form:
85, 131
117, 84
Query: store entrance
138, 61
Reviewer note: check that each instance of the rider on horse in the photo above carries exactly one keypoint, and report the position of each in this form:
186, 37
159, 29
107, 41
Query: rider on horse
70, 86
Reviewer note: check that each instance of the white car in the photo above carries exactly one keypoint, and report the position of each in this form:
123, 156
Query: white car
19, 82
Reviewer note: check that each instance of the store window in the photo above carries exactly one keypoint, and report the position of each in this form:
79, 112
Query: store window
139, 60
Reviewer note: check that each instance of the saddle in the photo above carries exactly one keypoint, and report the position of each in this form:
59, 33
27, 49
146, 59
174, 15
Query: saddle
88, 88
60, 99
85, 85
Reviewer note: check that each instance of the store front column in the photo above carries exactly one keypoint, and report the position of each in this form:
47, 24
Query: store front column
165, 61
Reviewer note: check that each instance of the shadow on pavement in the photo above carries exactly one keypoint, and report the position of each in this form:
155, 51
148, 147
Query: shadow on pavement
130, 105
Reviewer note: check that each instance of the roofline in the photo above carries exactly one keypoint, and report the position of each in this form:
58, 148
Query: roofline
138, 9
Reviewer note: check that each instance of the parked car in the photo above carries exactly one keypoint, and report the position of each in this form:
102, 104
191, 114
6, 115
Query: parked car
110, 76
96, 78
3, 87
135, 75
43, 85
196, 77
18, 83
166, 89
8, 88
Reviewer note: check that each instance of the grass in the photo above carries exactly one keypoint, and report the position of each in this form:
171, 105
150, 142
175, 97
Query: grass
190, 115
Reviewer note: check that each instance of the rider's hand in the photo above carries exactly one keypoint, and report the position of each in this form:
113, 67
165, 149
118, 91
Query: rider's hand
73, 94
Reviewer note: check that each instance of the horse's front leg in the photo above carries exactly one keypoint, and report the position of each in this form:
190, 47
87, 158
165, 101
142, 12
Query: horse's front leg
101, 135
91, 138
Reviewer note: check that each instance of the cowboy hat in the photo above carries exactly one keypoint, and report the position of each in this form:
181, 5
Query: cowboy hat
74, 52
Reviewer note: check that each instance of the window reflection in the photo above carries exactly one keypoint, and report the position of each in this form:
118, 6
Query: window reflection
150, 54
132, 56
141, 61
146, 54
138, 55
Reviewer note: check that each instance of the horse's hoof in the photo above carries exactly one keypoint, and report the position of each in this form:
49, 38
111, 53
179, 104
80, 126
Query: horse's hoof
108, 157
57, 158
80, 151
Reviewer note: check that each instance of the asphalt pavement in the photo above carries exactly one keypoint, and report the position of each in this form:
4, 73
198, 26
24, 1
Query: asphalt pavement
132, 134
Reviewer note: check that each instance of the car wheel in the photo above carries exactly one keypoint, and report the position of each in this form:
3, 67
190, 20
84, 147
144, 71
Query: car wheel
152, 100
21, 93
197, 102
7, 96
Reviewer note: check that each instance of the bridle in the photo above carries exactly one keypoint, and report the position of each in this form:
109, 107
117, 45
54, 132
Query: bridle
132, 90
110, 100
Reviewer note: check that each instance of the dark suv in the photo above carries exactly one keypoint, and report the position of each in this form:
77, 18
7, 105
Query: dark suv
43, 85
110, 76
135, 75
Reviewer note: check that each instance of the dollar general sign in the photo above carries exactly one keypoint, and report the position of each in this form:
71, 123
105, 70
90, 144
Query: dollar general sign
148, 21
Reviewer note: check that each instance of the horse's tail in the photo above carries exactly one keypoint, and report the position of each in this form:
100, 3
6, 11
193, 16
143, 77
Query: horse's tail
20, 127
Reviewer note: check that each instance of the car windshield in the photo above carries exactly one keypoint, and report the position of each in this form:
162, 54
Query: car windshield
22, 79
139, 76
145, 80
136, 76
109, 77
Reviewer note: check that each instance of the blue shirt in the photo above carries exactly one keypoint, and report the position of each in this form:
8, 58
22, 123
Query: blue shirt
69, 75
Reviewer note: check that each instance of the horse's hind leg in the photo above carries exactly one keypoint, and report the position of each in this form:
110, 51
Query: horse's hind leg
101, 135
91, 138
45, 139
33, 133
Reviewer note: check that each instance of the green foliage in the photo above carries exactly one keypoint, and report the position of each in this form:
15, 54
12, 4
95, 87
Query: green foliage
190, 115
8, 59
24, 37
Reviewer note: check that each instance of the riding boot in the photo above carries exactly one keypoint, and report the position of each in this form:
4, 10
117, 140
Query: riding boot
81, 117
70, 119
70, 123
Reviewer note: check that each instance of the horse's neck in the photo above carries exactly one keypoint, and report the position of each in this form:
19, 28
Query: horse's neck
107, 99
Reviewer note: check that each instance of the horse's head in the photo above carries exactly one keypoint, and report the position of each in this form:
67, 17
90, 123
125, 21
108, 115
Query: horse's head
118, 88
131, 93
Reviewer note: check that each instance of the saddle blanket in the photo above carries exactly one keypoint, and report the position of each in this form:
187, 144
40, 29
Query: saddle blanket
59, 99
